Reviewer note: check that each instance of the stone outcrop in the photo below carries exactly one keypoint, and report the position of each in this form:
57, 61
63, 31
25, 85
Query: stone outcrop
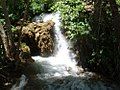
39, 37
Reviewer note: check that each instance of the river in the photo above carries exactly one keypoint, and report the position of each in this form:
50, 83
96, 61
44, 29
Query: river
59, 71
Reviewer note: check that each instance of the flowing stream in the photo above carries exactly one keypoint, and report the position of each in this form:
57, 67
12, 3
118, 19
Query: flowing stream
59, 71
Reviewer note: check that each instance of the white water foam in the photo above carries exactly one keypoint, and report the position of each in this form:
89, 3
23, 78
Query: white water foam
60, 71
63, 62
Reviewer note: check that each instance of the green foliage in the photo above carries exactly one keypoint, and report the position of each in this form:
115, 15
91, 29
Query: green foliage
1, 16
40, 6
15, 9
73, 17
118, 2
104, 55
2, 21
14, 29
36, 6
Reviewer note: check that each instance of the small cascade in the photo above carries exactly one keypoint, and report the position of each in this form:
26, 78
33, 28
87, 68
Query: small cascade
59, 71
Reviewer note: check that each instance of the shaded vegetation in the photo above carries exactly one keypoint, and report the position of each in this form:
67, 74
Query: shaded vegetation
93, 26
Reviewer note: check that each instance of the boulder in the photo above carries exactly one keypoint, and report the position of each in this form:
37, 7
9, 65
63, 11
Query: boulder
39, 37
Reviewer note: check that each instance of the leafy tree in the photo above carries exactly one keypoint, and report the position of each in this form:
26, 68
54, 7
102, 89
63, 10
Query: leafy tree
73, 17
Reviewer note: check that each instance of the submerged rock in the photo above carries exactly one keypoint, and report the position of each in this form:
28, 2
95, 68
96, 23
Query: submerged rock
39, 37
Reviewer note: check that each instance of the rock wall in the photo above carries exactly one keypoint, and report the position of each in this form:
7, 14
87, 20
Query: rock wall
39, 37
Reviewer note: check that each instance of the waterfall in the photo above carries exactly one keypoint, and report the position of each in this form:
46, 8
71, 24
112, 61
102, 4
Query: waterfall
59, 71
63, 60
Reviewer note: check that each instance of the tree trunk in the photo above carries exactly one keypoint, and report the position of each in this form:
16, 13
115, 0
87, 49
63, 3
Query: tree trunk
97, 18
114, 7
15, 4
7, 20
115, 15
26, 9
116, 24
8, 33
5, 41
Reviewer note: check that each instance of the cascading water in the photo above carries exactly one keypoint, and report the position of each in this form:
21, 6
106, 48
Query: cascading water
59, 72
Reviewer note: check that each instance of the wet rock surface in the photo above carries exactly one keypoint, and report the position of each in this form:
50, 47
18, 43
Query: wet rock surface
39, 37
